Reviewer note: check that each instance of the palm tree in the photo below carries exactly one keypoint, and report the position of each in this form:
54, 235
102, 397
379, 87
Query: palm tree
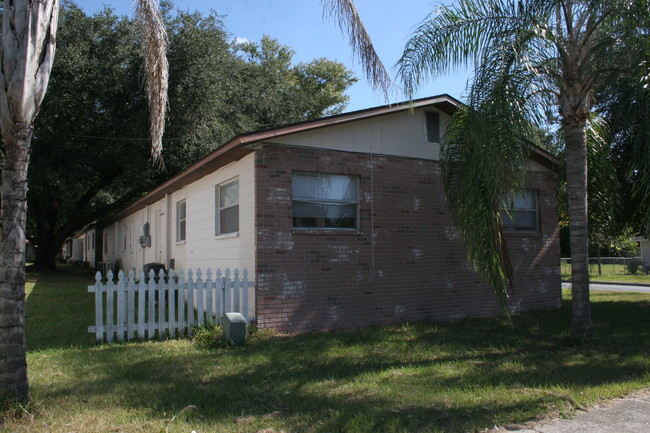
28, 45
27, 53
531, 57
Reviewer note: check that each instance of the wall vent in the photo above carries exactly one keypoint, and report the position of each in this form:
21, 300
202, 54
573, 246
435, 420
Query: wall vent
432, 127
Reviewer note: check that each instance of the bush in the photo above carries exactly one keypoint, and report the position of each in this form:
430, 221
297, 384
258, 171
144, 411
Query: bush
633, 266
208, 335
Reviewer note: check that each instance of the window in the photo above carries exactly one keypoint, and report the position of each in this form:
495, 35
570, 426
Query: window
520, 214
324, 201
180, 221
227, 214
432, 127
105, 242
124, 231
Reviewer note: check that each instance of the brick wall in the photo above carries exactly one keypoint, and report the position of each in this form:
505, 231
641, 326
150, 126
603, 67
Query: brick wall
418, 270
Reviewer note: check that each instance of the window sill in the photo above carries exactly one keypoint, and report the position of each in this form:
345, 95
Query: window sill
227, 236
327, 232
521, 234
180, 242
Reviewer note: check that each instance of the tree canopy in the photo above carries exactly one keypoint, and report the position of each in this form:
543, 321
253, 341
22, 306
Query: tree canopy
90, 152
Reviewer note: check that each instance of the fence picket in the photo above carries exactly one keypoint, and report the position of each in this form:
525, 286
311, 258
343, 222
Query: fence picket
110, 316
130, 308
99, 307
208, 296
200, 311
227, 304
235, 292
162, 307
182, 296
130, 301
190, 301
141, 304
121, 310
171, 284
244, 305
220, 293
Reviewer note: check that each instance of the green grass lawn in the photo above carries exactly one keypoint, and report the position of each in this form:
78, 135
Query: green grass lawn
609, 273
453, 377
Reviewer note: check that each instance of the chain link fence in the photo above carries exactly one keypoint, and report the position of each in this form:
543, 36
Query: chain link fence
609, 266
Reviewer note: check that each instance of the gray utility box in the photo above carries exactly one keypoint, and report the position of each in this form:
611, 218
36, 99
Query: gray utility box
234, 328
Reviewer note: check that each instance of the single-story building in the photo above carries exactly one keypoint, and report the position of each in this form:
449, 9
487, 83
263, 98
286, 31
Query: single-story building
80, 249
341, 222
644, 245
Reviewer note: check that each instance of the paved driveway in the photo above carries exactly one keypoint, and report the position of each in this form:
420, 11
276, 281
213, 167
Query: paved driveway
622, 415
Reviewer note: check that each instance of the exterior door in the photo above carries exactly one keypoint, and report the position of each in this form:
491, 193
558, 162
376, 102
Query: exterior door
159, 238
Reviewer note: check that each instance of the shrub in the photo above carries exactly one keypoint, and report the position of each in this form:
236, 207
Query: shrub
208, 335
633, 266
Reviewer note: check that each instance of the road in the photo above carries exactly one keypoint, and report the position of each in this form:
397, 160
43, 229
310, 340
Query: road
613, 287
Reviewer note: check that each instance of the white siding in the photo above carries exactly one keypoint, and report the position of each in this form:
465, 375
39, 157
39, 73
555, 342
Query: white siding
201, 248
645, 251
397, 134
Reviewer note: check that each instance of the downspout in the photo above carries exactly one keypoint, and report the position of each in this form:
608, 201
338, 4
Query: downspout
168, 231
143, 246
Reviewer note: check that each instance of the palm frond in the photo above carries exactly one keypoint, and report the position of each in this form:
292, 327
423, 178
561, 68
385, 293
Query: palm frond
345, 12
484, 158
156, 70
462, 34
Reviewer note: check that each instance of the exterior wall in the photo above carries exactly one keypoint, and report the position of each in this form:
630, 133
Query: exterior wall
201, 248
645, 251
398, 134
83, 247
417, 268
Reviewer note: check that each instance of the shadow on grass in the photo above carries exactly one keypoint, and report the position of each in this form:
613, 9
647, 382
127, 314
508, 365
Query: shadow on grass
59, 309
421, 377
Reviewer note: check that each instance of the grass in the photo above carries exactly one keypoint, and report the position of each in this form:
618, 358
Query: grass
616, 273
454, 377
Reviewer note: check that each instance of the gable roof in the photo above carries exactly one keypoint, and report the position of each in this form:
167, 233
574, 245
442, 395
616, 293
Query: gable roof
241, 145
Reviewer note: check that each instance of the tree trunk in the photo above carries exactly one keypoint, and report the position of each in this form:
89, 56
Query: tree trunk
46, 253
13, 363
576, 167
28, 43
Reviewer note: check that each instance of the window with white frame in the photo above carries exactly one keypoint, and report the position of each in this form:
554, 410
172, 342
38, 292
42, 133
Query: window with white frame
227, 212
181, 221
520, 212
325, 201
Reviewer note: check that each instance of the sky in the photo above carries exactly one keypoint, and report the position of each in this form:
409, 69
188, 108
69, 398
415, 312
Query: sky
301, 25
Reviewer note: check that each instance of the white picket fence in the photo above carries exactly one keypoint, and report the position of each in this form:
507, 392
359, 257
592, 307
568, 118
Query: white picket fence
165, 304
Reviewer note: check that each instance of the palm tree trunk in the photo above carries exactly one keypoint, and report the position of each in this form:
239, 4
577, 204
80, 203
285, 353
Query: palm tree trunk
576, 166
13, 364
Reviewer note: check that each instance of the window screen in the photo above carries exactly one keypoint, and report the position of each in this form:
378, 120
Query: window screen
181, 219
228, 208
324, 201
520, 212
